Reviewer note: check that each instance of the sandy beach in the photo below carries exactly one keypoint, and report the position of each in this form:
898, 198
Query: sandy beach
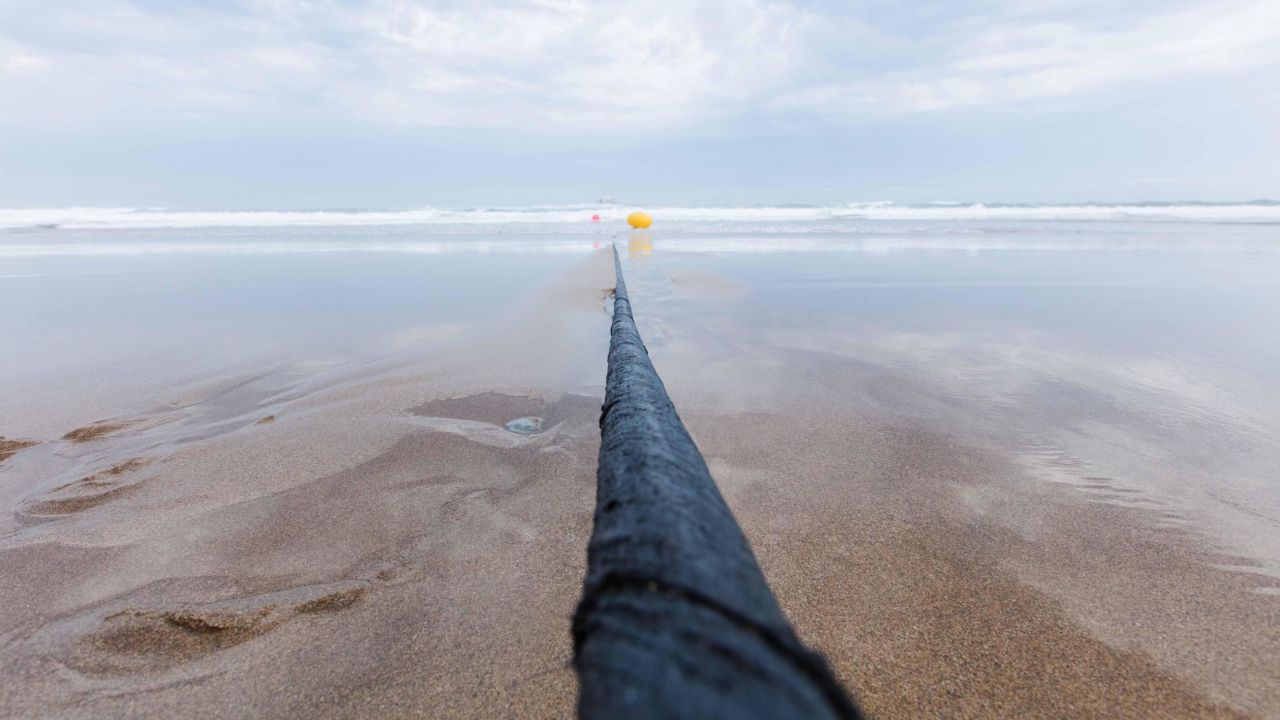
940, 548
368, 541
404, 535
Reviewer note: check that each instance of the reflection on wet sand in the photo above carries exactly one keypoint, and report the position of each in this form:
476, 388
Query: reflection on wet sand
639, 244
990, 510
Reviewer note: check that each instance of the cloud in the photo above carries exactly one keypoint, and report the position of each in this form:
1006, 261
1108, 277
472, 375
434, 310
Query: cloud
599, 66
16, 60
1019, 59
574, 64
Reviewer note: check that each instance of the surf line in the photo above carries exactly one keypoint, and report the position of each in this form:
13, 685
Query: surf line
676, 619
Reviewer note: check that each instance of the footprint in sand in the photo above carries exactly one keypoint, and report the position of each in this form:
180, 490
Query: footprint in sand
151, 636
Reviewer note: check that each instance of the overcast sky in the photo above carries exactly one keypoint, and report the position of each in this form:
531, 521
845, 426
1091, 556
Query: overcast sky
404, 103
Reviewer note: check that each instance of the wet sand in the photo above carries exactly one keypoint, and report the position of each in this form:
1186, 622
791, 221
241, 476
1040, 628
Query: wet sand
943, 542
926, 611
8, 447
372, 540
382, 545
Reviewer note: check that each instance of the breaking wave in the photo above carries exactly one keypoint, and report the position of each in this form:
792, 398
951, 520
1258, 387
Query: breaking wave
85, 218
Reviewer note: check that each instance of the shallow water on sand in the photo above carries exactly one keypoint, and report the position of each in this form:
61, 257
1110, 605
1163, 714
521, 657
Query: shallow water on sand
1151, 366
93, 318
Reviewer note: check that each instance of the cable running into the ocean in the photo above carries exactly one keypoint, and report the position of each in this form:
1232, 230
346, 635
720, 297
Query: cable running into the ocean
676, 619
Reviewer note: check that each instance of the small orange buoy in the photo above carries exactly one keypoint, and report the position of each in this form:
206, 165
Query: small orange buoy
639, 220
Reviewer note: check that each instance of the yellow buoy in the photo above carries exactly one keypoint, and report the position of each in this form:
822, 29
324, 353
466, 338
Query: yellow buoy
639, 220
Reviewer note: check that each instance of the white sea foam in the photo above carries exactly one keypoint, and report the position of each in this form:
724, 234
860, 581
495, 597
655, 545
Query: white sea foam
112, 248
579, 215
744, 244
